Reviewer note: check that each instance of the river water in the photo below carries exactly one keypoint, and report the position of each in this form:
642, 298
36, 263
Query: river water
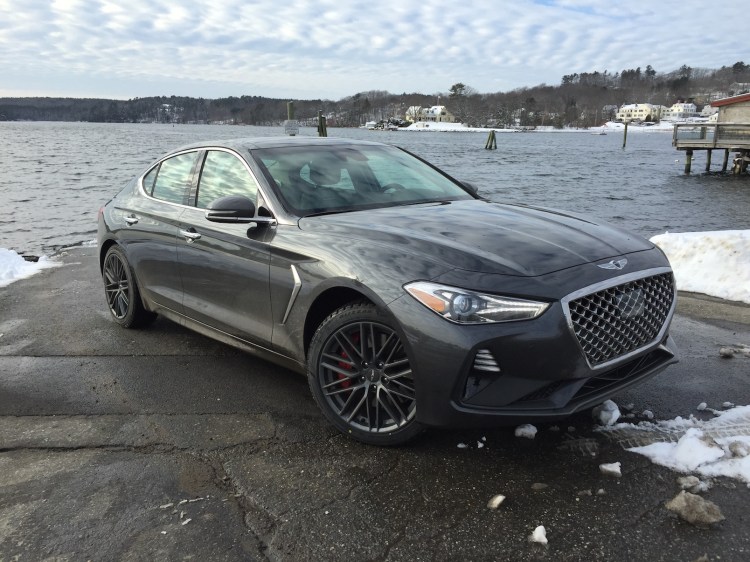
55, 176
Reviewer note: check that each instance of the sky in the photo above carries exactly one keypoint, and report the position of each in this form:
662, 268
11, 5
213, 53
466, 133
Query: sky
330, 49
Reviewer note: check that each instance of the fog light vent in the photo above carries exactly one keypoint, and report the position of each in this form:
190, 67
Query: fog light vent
484, 361
484, 372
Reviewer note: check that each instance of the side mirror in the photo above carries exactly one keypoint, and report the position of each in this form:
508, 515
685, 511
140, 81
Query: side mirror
471, 188
233, 208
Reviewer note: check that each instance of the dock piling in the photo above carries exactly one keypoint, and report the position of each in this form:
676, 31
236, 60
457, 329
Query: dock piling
688, 160
625, 136
322, 130
726, 160
708, 160
491, 143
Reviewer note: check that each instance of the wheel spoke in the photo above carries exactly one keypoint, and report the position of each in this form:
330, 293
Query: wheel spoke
396, 418
349, 373
339, 359
357, 407
351, 349
392, 339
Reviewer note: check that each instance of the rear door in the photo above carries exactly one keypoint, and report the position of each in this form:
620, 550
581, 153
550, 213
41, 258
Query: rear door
151, 224
225, 267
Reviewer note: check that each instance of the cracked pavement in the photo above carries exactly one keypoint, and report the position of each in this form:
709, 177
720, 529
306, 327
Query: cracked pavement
104, 432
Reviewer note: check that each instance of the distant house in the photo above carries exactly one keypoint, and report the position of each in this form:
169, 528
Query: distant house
679, 111
639, 112
709, 110
734, 110
437, 113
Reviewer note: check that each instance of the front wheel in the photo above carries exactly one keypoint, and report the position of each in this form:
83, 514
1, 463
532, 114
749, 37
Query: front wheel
361, 377
121, 290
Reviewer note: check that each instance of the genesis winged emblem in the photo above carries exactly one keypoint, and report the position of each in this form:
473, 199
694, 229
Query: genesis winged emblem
612, 264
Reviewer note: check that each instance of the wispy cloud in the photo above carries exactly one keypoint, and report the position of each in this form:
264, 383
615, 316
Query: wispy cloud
330, 48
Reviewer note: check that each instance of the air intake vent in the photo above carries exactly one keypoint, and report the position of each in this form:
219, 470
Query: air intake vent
484, 361
484, 371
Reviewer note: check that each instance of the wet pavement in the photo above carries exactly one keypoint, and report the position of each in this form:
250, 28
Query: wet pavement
161, 444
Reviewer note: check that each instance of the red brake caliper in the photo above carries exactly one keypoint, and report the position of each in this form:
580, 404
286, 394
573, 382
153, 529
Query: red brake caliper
347, 383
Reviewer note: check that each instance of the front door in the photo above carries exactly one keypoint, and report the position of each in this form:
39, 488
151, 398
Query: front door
225, 267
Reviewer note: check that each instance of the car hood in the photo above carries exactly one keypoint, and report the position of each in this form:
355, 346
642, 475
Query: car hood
482, 236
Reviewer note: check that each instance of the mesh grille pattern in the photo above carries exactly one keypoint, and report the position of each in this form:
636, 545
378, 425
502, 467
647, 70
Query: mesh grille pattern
620, 319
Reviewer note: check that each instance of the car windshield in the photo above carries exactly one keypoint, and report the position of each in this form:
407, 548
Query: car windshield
327, 179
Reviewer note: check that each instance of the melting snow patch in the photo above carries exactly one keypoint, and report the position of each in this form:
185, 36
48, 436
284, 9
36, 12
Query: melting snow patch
611, 469
712, 448
539, 535
495, 501
526, 430
702, 406
462, 446
693, 484
13, 267
695, 509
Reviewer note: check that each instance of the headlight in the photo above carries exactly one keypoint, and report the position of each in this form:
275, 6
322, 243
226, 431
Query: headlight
467, 307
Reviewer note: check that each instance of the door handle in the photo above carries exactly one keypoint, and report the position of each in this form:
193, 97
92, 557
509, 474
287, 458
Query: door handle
131, 220
189, 235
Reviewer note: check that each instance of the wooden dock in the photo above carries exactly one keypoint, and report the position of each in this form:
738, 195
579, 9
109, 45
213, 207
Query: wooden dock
729, 137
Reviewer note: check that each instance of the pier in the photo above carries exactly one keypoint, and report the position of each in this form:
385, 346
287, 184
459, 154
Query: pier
729, 137
730, 133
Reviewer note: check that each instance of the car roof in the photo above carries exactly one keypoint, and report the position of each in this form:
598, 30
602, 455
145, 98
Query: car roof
251, 143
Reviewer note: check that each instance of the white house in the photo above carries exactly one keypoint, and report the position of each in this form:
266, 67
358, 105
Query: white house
639, 112
680, 111
434, 114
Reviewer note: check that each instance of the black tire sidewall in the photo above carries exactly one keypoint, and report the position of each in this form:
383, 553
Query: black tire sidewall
135, 315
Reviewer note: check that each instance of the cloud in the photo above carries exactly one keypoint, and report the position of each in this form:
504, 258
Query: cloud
329, 48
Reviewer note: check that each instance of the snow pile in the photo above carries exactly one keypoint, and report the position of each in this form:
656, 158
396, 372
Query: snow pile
717, 447
14, 267
714, 263
606, 413
526, 430
694, 509
539, 535
611, 469
495, 501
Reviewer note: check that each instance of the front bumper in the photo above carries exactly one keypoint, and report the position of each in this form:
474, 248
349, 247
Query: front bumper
508, 373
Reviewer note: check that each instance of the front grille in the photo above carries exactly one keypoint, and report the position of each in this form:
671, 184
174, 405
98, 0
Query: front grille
615, 321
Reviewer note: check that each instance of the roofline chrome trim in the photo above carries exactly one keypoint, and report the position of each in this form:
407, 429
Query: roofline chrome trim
614, 282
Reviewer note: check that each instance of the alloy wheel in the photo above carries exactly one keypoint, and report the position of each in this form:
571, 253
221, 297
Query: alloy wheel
366, 379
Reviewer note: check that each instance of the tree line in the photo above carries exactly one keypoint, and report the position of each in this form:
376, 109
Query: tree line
581, 100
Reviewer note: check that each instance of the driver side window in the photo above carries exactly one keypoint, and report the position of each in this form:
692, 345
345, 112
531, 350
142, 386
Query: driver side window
224, 174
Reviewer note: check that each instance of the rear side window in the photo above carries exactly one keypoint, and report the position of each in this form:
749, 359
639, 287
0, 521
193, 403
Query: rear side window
173, 178
224, 174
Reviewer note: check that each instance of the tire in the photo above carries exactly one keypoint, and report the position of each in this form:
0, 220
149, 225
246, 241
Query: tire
121, 291
361, 378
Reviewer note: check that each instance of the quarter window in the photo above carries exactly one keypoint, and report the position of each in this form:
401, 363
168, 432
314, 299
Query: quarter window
173, 178
224, 174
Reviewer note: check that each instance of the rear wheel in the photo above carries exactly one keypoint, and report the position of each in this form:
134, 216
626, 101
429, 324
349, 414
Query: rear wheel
361, 377
121, 290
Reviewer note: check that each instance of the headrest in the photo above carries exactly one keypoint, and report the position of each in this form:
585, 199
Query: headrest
325, 171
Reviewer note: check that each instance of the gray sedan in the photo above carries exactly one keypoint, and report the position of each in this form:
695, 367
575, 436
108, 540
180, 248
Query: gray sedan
406, 298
